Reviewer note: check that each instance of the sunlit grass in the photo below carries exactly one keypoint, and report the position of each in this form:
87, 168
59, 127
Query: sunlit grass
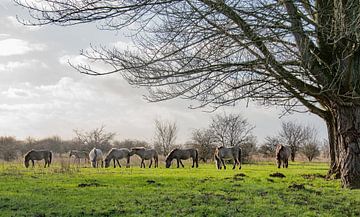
64, 190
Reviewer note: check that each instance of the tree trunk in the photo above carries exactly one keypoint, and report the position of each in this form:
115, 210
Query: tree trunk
348, 120
334, 170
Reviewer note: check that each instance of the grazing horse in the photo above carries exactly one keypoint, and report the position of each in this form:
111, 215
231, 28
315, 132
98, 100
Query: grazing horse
116, 154
282, 155
182, 154
223, 153
79, 155
38, 155
146, 154
95, 156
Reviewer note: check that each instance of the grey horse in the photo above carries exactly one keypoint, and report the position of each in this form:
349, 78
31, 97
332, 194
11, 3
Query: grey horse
223, 153
146, 154
282, 155
182, 154
38, 155
116, 154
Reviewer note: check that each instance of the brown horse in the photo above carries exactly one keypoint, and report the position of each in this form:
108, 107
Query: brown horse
282, 155
182, 154
38, 155
223, 153
79, 155
146, 154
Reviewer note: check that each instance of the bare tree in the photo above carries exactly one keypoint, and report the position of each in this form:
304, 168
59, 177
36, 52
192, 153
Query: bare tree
295, 54
98, 138
9, 148
269, 146
128, 143
294, 135
165, 136
230, 129
204, 142
311, 150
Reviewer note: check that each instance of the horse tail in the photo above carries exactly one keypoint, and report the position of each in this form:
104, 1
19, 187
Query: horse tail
240, 157
278, 152
156, 158
216, 158
50, 158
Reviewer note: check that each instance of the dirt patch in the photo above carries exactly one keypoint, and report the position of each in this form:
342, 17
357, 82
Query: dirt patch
279, 175
313, 176
239, 177
270, 180
297, 186
90, 183
150, 181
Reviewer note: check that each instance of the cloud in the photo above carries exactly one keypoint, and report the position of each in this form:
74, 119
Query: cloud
13, 46
11, 21
15, 65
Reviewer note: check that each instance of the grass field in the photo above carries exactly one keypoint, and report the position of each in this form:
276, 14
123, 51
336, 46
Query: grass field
70, 191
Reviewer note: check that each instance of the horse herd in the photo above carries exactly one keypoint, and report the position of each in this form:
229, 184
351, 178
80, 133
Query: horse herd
97, 158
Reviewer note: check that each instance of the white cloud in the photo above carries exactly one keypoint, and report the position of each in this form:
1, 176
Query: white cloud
18, 93
15, 65
13, 46
13, 22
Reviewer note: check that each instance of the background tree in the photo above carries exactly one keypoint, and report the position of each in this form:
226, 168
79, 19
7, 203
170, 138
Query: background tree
98, 138
294, 135
129, 143
284, 53
165, 136
203, 141
268, 148
310, 150
10, 148
230, 129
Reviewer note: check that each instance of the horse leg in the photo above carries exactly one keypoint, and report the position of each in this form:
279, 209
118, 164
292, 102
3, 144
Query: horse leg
239, 162
286, 163
177, 161
193, 163
150, 163
33, 163
142, 163
181, 164
235, 162
278, 163
117, 160
223, 163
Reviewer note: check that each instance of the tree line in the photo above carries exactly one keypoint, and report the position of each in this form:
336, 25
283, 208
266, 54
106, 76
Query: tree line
223, 130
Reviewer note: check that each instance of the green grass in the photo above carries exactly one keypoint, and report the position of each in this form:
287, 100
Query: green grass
59, 191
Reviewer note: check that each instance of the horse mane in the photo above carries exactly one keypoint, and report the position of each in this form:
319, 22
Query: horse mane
138, 148
279, 148
172, 152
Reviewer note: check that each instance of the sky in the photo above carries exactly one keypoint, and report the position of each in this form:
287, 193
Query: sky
42, 96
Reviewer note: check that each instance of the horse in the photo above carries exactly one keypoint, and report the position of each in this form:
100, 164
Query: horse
146, 154
95, 156
222, 153
282, 155
79, 155
38, 155
182, 154
117, 154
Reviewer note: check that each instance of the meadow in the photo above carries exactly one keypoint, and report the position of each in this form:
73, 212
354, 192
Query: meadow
64, 190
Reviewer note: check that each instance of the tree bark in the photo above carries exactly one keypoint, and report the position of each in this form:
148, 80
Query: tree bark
334, 170
348, 119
